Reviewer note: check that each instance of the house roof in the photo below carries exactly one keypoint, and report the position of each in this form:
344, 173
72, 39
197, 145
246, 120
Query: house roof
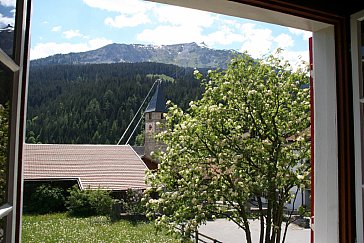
158, 101
113, 167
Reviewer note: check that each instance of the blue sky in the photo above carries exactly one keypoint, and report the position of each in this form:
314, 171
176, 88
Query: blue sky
7, 13
80, 25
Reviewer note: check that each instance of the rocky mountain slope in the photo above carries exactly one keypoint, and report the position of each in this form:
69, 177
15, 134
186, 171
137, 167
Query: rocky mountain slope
185, 55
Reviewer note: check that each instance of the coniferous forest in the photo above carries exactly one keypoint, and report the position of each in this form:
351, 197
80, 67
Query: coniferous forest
94, 103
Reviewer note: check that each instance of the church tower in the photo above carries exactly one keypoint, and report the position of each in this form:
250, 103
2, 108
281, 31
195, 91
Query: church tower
154, 121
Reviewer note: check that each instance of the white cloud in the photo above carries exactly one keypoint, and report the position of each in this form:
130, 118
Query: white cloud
305, 34
135, 12
165, 35
98, 42
179, 25
50, 48
284, 41
131, 12
121, 6
258, 41
123, 20
68, 34
56, 28
4, 21
183, 16
8, 3
230, 22
224, 36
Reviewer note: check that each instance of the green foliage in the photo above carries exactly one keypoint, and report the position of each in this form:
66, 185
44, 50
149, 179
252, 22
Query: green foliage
132, 203
94, 103
4, 124
139, 140
61, 228
163, 77
89, 202
31, 137
47, 199
242, 142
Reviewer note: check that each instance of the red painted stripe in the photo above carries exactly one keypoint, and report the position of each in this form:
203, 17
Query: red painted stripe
312, 138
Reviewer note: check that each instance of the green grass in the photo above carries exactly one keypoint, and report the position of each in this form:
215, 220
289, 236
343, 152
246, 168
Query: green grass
62, 228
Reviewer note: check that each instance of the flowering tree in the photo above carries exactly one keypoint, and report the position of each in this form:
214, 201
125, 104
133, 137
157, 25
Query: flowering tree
231, 147
4, 123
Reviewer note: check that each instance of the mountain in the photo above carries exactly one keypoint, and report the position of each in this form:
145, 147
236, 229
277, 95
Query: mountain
94, 103
6, 39
185, 55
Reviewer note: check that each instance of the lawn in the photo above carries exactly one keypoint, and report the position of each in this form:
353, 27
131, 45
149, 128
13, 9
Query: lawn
62, 228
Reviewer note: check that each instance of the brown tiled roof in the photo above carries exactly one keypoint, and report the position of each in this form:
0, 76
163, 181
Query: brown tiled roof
112, 167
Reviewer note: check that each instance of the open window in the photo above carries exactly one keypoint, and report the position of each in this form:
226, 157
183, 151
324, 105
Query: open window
332, 121
12, 90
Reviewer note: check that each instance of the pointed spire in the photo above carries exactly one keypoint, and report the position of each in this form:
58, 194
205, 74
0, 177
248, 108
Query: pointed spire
158, 101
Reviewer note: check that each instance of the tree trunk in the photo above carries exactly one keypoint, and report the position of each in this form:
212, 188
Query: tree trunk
279, 221
243, 214
274, 219
260, 204
248, 233
269, 221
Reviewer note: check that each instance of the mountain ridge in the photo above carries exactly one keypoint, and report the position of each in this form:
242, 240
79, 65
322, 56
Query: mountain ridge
185, 55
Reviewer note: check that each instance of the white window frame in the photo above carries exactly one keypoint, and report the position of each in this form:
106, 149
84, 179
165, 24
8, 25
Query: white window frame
12, 209
7, 210
358, 106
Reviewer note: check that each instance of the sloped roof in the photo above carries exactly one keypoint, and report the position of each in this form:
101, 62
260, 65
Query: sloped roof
158, 101
112, 167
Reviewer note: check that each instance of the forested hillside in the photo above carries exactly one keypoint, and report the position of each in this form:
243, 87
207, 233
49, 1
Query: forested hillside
94, 103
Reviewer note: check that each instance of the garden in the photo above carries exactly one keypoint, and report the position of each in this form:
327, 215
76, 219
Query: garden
55, 214
61, 227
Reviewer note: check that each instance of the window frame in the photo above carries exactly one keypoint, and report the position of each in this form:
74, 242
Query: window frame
358, 105
7, 209
17, 65
340, 128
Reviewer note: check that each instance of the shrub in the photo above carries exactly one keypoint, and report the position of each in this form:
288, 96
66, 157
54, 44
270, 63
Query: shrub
89, 202
132, 204
47, 199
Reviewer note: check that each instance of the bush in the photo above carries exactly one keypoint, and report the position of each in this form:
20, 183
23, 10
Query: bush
132, 204
89, 202
47, 199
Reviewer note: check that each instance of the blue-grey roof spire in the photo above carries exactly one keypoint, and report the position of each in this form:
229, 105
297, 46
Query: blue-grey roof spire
158, 101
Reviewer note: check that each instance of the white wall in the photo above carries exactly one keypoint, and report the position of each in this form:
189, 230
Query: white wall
326, 224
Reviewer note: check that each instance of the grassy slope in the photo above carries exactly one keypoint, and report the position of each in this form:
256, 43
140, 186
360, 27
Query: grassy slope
61, 228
